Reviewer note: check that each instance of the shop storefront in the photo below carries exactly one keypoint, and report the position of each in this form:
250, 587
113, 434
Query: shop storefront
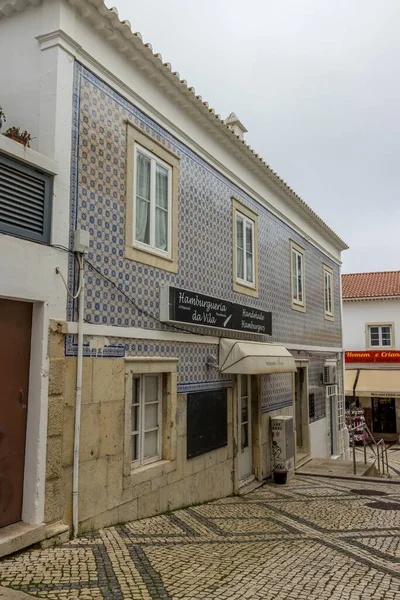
372, 384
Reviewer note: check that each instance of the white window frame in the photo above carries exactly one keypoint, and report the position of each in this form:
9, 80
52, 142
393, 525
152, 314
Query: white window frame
246, 220
151, 247
241, 285
379, 326
297, 304
140, 432
328, 301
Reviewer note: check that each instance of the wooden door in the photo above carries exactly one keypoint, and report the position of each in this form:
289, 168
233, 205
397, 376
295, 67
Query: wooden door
15, 343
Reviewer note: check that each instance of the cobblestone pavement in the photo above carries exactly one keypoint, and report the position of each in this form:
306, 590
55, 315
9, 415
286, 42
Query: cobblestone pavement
314, 538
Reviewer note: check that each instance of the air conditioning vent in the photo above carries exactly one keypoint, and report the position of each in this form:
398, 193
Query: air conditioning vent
25, 201
329, 375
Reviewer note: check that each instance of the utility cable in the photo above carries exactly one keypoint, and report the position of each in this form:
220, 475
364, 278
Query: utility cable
139, 310
58, 271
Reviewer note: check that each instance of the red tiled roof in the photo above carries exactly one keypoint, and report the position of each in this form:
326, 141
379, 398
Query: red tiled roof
371, 285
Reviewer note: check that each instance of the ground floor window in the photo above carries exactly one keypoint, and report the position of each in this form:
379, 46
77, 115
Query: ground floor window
146, 419
150, 411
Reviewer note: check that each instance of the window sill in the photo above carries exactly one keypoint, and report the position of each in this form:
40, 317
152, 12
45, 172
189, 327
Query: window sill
329, 317
144, 468
380, 348
299, 307
152, 259
28, 156
146, 473
245, 289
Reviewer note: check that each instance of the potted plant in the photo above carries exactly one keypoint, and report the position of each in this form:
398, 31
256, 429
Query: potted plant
280, 474
279, 469
2, 117
22, 137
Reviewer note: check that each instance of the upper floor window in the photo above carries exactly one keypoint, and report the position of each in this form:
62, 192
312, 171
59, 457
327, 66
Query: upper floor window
328, 292
152, 207
152, 201
25, 201
297, 277
380, 335
245, 251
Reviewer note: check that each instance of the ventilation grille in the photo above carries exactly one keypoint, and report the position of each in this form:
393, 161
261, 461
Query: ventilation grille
24, 201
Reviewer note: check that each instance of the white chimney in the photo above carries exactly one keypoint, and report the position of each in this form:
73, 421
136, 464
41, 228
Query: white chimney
237, 127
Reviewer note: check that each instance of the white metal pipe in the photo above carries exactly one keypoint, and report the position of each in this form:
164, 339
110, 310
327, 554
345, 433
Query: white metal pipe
78, 402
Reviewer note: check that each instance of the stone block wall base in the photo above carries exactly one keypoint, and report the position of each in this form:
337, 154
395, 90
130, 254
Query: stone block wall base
56, 534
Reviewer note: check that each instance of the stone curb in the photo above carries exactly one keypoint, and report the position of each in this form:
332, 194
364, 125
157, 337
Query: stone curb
350, 477
9, 594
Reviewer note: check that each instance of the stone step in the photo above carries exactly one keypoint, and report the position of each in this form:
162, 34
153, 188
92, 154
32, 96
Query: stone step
20, 535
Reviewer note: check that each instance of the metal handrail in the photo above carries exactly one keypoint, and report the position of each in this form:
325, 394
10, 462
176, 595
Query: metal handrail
381, 449
383, 452
384, 456
354, 446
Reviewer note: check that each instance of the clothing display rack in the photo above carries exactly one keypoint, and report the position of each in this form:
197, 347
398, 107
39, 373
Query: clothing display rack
355, 420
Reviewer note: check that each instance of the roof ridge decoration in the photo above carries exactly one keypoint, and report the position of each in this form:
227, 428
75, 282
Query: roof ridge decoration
120, 33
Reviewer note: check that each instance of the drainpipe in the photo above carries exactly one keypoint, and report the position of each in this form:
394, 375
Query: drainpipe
78, 400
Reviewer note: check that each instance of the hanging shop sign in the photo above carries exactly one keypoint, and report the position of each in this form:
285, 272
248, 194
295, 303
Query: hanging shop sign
184, 306
365, 356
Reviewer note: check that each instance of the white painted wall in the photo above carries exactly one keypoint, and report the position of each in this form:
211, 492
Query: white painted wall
36, 94
357, 314
319, 440
20, 71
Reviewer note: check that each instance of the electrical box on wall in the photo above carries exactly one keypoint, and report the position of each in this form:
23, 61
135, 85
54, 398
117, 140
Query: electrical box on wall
282, 443
81, 240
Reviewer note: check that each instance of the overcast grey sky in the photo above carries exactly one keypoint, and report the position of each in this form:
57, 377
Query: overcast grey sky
317, 85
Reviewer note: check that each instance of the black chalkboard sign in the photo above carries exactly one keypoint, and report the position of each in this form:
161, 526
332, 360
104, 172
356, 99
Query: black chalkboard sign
184, 306
207, 422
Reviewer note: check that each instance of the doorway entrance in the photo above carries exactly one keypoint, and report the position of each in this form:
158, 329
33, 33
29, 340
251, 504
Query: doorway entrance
15, 344
244, 437
384, 415
301, 413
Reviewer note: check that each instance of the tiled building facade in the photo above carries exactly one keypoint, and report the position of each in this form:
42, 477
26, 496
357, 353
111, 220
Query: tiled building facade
124, 293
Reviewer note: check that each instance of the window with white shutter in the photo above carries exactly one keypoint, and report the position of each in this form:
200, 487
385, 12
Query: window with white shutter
25, 201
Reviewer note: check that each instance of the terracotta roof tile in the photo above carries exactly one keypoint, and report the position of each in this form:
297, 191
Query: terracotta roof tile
371, 285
